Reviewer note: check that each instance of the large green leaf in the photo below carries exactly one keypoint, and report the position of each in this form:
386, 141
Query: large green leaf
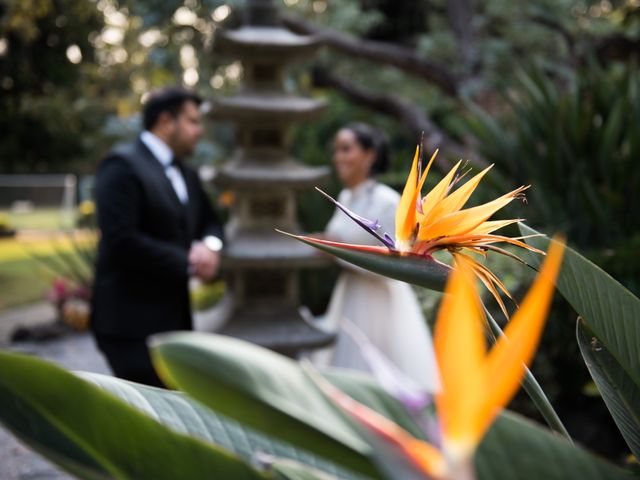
533, 388
612, 315
183, 414
363, 388
423, 272
611, 311
515, 448
619, 391
92, 434
285, 469
263, 390
390, 458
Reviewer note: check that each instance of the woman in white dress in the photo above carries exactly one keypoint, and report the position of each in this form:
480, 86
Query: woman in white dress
385, 310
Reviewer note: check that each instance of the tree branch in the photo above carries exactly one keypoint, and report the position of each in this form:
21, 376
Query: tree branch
617, 47
404, 112
381, 52
460, 14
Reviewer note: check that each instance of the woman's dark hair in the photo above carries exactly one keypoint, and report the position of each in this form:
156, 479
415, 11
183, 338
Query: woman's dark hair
370, 138
168, 99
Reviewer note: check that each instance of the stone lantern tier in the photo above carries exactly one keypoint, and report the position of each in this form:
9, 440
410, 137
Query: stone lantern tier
265, 44
278, 108
253, 174
261, 266
270, 250
287, 330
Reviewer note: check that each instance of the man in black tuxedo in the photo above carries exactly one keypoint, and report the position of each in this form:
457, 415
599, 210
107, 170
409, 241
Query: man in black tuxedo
158, 228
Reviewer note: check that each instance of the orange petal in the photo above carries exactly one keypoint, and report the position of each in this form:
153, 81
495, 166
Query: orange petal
489, 280
460, 350
465, 221
424, 456
406, 212
480, 240
426, 171
492, 226
455, 201
505, 364
437, 193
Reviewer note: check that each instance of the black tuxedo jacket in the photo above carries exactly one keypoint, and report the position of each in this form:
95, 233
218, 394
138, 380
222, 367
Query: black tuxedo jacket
141, 284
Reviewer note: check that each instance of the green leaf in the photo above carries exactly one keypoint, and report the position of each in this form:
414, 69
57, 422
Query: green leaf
263, 390
612, 314
274, 385
619, 391
420, 271
611, 311
388, 455
183, 414
612, 131
92, 434
513, 448
366, 390
532, 387
518, 448
286, 469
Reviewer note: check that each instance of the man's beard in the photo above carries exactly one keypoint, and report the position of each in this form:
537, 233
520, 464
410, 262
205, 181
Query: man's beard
180, 148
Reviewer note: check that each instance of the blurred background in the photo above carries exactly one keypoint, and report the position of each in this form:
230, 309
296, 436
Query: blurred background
548, 90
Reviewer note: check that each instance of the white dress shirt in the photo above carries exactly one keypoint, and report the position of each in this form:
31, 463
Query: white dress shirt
163, 153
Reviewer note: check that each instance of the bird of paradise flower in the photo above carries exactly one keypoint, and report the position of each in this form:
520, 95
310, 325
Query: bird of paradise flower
438, 221
476, 383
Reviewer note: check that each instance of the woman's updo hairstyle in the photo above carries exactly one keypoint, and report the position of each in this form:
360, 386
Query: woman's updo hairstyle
370, 138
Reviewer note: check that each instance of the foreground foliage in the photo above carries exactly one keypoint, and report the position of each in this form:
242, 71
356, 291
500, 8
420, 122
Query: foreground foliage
249, 413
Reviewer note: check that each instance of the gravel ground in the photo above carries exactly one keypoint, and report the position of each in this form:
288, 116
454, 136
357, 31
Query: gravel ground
76, 351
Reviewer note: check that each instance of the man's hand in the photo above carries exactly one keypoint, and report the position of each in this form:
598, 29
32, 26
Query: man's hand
204, 262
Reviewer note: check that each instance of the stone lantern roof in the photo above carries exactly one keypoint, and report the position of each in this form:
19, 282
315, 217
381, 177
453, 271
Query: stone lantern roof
261, 264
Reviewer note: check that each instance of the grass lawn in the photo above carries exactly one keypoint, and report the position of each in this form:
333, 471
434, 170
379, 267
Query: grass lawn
40, 218
25, 279
22, 281
22, 278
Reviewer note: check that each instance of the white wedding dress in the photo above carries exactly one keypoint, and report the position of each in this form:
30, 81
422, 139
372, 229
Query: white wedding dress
385, 310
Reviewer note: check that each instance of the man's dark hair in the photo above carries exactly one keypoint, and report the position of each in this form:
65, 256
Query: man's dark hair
168, 99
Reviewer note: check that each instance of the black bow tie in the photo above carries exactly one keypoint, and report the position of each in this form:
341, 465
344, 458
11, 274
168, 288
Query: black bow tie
175, 162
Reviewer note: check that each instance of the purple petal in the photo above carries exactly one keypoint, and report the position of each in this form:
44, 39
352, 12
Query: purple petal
418, 401
368, 225
389, 239
373, 225
391, 378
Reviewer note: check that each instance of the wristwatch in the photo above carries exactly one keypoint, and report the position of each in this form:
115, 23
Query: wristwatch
212, 243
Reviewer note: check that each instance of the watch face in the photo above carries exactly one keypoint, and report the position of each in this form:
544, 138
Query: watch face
213, 243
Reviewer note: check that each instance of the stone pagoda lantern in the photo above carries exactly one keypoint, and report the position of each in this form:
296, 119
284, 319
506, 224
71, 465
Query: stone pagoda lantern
262, 265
